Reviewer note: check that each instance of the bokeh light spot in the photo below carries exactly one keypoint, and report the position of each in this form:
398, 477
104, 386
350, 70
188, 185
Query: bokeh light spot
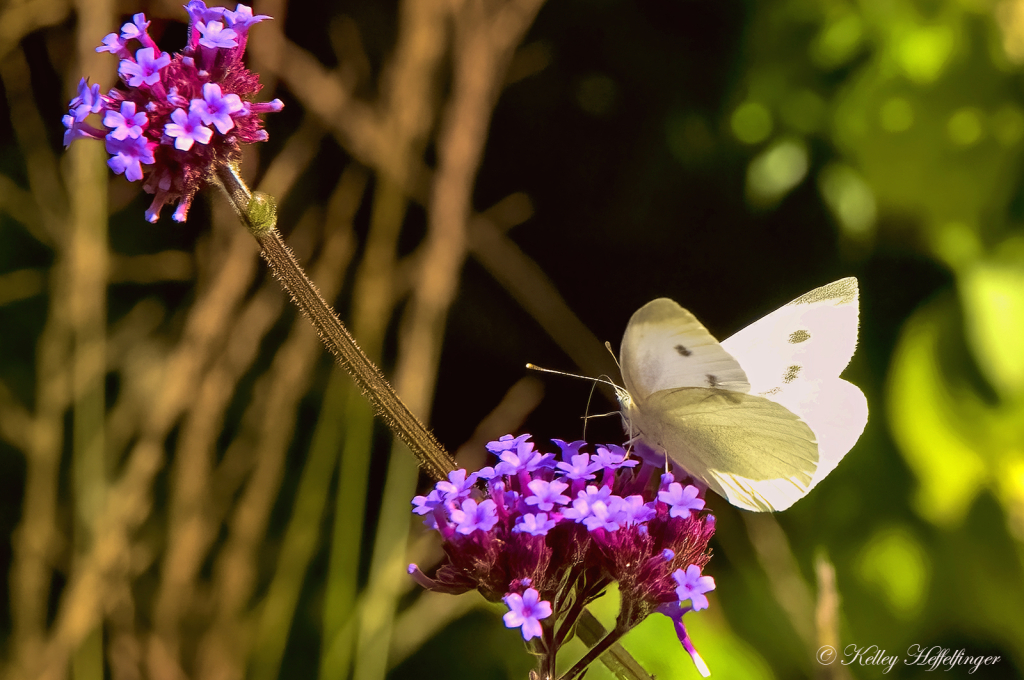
838, 42
751, 122
776, 171
897, 566
850, 199
924, 53
964, 127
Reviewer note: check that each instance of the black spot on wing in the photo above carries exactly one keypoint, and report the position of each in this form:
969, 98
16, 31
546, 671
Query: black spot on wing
791, 373
683, 351
798, 336
712, 380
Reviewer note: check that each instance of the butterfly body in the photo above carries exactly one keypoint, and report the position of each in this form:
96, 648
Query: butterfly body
759, 418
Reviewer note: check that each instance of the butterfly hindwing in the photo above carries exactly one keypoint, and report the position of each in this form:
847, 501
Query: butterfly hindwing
754, 452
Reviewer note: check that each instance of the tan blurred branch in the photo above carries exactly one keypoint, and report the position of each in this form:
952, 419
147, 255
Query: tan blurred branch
356, 127
22, 17
128, 500
37, 534
30, 132
21, 284
196, 515
327, 98
21, 205
780, 566
485, 35
192, 522
425, 618
15, 420
527, 283
89, 265
826, 617
168, 265
225, 648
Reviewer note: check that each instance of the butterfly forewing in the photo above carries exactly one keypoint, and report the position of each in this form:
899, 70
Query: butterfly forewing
811, 338
664, 346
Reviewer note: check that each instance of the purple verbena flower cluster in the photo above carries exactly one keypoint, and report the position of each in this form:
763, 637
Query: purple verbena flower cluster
546, 535
176, 115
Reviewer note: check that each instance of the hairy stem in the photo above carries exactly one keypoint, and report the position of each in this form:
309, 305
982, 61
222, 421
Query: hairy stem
258, 214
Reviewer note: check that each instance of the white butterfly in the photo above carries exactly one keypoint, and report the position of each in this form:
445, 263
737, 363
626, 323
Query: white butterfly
760, 418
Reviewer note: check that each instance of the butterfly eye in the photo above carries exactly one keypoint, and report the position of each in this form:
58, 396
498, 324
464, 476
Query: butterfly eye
797, 337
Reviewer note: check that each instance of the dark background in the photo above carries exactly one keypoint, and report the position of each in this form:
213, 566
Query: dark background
730, 155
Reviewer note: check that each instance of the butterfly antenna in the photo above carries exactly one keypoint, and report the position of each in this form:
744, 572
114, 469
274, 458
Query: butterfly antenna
586, 412
608, 346
534, 367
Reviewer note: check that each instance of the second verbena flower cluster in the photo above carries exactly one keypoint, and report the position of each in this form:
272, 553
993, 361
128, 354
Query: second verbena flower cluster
175, 116
546, 535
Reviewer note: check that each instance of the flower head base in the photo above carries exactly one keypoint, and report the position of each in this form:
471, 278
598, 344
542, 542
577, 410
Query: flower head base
545, 537
175, 116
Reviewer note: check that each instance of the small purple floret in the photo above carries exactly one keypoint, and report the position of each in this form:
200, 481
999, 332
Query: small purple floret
458, 486
88, 100
145, 70
216, 108
580, 468
570, 449
525, 459
128, 156
582, 507
506, 443
187, 129
612, 457
126, 123
473, 516
242, 17
526, 611
199, 12
681, 501
136, 29
112, 43
547, 494
214, 35
692, 586
535, 525
633, 510
604, 515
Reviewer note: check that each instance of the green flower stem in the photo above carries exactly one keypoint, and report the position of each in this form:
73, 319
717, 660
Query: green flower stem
259, 215
616, 659
594, 652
